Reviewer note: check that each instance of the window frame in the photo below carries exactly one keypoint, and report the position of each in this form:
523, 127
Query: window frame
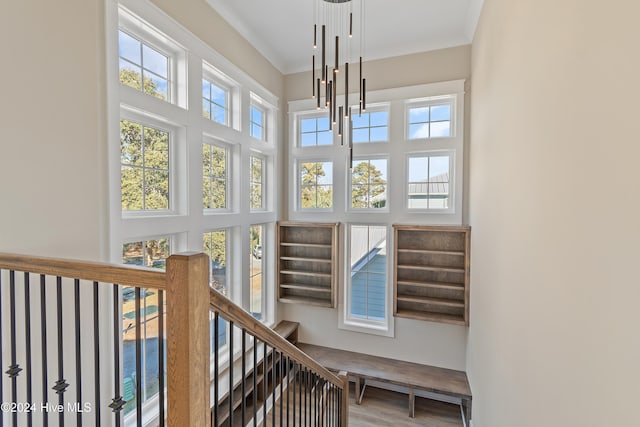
431, 102
228, 178
368, 209
263, 126
299, 186
452, 181
346, 321
375, 108
315, 116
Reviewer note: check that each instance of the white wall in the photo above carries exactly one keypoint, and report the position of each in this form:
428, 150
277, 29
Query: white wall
555, 203
418, 341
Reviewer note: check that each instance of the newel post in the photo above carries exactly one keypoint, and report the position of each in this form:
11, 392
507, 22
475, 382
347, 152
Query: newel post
344, 407
188, 340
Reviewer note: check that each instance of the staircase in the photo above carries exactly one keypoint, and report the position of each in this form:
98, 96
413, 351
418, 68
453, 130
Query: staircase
249, 375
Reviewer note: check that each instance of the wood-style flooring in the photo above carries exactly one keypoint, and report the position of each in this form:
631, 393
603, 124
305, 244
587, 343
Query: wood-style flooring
383, 408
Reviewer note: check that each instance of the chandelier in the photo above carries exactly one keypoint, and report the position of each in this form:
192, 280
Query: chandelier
333, 41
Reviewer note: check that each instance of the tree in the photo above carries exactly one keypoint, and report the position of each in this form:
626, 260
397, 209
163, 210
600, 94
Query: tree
313, 195
214, 177
256, 201
133, 79
367, 183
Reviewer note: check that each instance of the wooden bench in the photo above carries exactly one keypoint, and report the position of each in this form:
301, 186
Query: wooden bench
414, 376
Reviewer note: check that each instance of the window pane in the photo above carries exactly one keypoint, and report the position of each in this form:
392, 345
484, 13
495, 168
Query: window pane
215, 245
219, 95
360, 121
419, 131
440, 113
323, 123
361, 135
130, 75
439, 129
219, 114
131, 188
312, 194
325, 138
156, 148
308, 125
214, 172
419, 115
130, 143
429, 181
256, 131
156, 189
368, 272
206, 89
308, 140
206, 109
255, 273
154, 61
155, 86
369, 184
379, 134
129, 48
379, 118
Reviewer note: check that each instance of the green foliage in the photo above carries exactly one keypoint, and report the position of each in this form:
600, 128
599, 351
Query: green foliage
144, 155
215, 246
255, 234
133, 79
256, 201
214, 177
313, 195
367, 183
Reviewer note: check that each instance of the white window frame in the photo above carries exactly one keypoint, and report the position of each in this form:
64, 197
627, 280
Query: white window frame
228, 175
298, 129
298, 186
346, 321
452, 181
430, 102
232, 87
368, 209
374, 108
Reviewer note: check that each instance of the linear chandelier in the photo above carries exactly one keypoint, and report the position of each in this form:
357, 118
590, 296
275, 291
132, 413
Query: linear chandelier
333, 38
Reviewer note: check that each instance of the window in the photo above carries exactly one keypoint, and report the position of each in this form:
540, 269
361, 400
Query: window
143, 67
215, 102
430, 121
428, 183
257, 123
256, 288
214, 176
370, 126
144, 156
367, 291
256, 182
369, 184
316, 185
215, 245
148, 253
315, 131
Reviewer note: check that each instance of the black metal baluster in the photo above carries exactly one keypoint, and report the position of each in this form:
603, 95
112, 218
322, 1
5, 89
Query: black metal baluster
27, 330
288, 383
306, 388
61, 385
96, 354
117, 402
231, 373
14, 368
265, 378
138, 296
78, 352
295, 380
43, 331
161, 356
255, 382
273, 387
216, 346
300, 378
281, 387
244, 374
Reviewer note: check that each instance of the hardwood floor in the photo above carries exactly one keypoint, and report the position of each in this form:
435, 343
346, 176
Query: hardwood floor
383, 408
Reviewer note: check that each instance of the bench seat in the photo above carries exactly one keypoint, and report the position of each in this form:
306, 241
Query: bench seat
414, 376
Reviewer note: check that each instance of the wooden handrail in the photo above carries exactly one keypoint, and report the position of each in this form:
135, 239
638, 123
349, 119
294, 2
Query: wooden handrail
126, 275
236, 314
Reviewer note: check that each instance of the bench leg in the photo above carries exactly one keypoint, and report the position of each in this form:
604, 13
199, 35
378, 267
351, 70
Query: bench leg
360, 395
357, 390
412, 403
466, 411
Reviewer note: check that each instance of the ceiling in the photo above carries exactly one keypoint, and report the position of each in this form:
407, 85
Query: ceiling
282, 29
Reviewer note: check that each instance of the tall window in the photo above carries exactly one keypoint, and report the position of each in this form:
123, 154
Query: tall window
368, 272
214, 176
143, 67
257, 123
369, 184
215, 102
148, 253
256, 288
371, 126
428, 183
315, 131
144, 154
215, 245
316, 185
256, 173
429, 121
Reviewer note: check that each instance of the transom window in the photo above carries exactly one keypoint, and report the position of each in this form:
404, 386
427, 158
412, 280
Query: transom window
316, 185
315, 131
369, 184
144, 157
143, 67
257, 123
215, 102
370, 126
214, 176
429, 121
428, 185
368, 272
256, 182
